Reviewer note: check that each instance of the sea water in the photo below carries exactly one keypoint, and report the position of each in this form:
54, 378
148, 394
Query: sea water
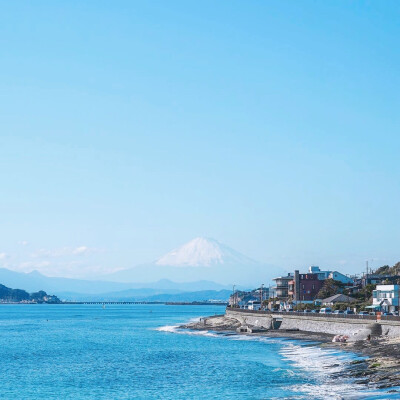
138, 352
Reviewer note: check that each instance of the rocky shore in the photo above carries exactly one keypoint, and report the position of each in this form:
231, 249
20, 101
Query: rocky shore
379, 369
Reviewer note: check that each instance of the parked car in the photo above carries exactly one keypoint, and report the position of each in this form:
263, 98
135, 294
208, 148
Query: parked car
307, 310
338, 312
388, 313
349, 312
326, 310
315, 311
363, 313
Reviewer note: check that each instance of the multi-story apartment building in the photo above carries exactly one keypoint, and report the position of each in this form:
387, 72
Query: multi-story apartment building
304, 287
281, 288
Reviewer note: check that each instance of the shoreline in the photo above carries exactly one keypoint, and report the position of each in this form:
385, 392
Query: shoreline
379, 369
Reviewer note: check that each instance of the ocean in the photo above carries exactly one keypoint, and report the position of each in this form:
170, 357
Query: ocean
137, 352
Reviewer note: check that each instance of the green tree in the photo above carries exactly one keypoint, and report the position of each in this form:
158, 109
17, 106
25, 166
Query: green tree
330, 288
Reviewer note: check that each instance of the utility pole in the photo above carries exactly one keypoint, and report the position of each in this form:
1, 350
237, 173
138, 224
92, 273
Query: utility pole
233, 296
366, 281
261, 296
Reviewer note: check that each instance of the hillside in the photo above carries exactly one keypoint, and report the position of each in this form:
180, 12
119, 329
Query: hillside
8, 295
386, 270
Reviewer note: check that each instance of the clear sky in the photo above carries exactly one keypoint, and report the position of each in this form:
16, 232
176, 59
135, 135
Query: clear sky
131, 127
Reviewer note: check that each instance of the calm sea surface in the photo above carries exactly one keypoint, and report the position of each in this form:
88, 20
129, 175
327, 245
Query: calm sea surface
136, 352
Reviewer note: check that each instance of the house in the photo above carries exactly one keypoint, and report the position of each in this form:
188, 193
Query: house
253, 305
281, 287
386, 298
376, 279
304, 287
338, 298
337, 276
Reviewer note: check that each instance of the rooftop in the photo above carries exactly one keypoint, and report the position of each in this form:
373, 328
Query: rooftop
339, 298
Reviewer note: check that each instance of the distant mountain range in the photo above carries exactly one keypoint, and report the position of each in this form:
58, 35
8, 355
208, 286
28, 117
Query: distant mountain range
75, 289
194, 267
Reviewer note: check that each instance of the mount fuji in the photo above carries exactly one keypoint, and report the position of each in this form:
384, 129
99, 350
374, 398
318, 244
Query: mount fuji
203, 252
200, 259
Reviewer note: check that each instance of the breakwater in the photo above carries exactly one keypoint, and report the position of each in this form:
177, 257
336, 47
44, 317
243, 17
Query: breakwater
320, 323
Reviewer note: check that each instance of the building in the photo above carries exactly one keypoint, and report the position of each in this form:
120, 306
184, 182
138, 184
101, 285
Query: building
386, 298
376, 279
335, 275
304, 287
338, 298
338, 276
242, 299
253, 305
281, 287
262, 293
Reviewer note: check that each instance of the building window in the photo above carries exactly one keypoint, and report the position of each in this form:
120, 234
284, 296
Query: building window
303, 286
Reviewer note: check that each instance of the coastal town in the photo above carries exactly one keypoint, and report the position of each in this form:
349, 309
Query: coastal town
326, 291
359, 314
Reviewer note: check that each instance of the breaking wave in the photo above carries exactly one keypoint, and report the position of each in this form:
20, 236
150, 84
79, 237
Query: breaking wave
176, 329
327, 367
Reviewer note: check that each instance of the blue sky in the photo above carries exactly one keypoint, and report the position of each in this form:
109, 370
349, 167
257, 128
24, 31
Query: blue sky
131, 127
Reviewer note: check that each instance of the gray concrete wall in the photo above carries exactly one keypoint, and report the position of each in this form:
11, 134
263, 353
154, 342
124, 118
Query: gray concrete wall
259, 320
324, 325
390, 329
308, 323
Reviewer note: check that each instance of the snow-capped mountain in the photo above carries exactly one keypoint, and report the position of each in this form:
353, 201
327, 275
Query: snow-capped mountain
203, 252
198, 260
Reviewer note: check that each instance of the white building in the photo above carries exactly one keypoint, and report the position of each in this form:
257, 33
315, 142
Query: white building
386, 298
253, 305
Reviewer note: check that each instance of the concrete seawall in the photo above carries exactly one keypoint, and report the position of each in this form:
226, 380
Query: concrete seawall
309, 323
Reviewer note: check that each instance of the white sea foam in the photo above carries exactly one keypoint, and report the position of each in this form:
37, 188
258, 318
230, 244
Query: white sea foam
167, 328
176, 329
324, 366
